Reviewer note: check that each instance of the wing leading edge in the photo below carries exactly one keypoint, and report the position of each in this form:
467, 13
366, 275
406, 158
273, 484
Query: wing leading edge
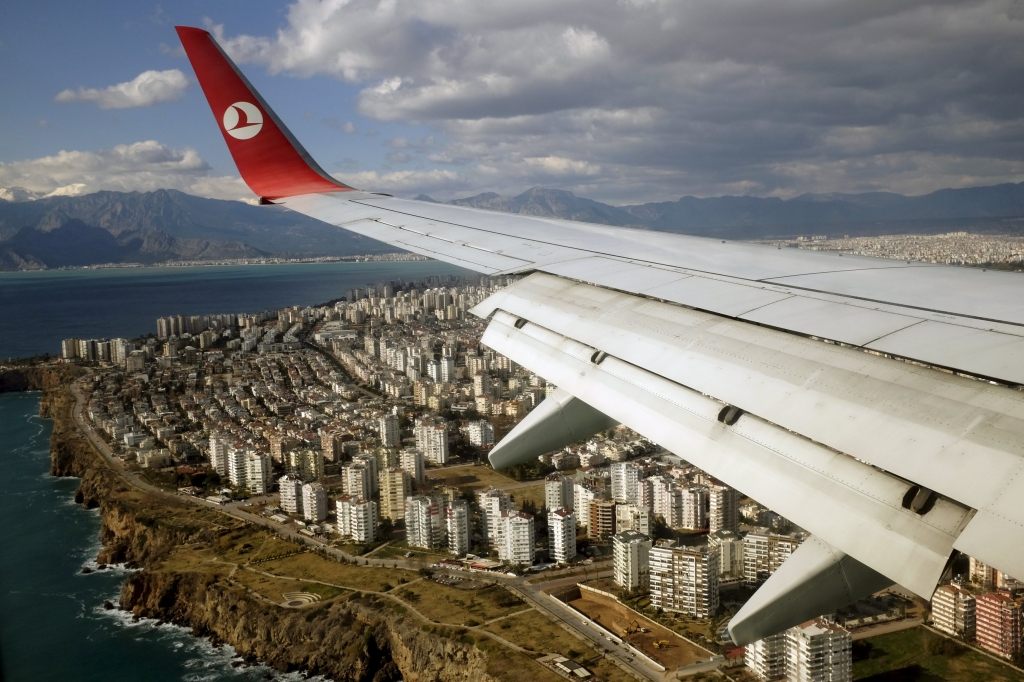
842, 374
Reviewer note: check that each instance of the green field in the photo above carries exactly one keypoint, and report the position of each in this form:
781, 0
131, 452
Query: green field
919, 654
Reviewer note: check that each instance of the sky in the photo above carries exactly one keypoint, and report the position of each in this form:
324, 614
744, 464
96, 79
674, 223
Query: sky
623, 101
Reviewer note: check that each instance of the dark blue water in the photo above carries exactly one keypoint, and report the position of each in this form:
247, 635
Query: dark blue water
52, 622
39, 309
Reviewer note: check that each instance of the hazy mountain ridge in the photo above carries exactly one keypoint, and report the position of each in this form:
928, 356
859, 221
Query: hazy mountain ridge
975, 209
150, 227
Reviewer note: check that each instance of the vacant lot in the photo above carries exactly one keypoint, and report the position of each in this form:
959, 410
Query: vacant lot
460, 607
613, 616
474, 477
535, 633
919, 654
313, 567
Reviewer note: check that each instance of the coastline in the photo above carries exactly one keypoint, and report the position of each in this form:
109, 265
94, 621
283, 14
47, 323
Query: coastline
358, 635
229, 262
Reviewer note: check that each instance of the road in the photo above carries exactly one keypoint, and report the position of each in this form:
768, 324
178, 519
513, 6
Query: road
531, 593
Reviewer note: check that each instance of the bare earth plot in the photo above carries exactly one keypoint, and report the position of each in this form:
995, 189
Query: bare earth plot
613, 616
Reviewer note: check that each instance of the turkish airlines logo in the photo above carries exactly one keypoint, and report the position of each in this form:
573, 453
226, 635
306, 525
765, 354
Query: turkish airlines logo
243, 120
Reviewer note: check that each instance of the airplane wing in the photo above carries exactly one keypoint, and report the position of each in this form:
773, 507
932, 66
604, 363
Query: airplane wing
876, 403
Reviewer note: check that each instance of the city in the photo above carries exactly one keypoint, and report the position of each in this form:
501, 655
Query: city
362, 427
952, 248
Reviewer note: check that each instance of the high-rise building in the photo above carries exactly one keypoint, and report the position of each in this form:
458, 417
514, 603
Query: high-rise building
492, 503
518, 540
257, 472
631, 560
953, 611
424, 526
625, 476
432, 439
390, 434
998, 623
481, 433
394, 488
370, 462
219, 453
602, 519
69, 349
307, 464
456, 521
356, 481
730, 552
632, 517
236, 466
291, 494
695, 500
763, 553
558, 492
818, 651
723, 508
766, 658
583, 495
314, 502
411, 460
684, 579
561, 535
357, 518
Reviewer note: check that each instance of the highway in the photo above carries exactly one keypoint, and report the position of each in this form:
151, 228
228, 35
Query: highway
531, 592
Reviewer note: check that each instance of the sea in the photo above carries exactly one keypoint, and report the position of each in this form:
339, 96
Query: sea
53, 624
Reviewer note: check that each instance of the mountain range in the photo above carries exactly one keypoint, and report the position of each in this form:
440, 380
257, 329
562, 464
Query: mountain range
151, 227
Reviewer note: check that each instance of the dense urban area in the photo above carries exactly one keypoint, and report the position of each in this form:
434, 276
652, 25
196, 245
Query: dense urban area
952, 248
364, 425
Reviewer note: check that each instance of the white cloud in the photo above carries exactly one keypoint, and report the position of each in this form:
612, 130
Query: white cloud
142, 166
146, 89
633, 100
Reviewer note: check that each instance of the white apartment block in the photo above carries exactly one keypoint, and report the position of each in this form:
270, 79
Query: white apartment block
236, 466
558, 492
492, 503
357, 519
291, 494
518, 539
432, 439
424, 526
480, 433
561, 535
632, 517
684, 579
730, 552
763, 553
723, 508
625, 476
695, 500
357, 481
257, 472
953, 611
390, 435
818, 651
314, 502
766, 658
583, 495
219, 453
370, 462
413, 461
631, 560
456, 522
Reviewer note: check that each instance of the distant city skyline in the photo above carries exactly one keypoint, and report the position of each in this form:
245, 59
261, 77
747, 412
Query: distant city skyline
617, 101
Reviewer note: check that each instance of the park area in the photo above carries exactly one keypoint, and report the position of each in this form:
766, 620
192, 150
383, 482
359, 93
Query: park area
660, 643
919, 654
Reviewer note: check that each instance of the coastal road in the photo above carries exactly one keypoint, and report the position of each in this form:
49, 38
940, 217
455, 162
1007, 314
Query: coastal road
532, 593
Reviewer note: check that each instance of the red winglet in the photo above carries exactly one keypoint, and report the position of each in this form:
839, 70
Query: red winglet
270, 159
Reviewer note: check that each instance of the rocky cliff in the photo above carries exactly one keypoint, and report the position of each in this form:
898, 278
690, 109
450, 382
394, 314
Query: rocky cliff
360, 637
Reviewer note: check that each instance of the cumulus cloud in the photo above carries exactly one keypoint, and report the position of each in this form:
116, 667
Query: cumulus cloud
146, 89
630, 100
142, 166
